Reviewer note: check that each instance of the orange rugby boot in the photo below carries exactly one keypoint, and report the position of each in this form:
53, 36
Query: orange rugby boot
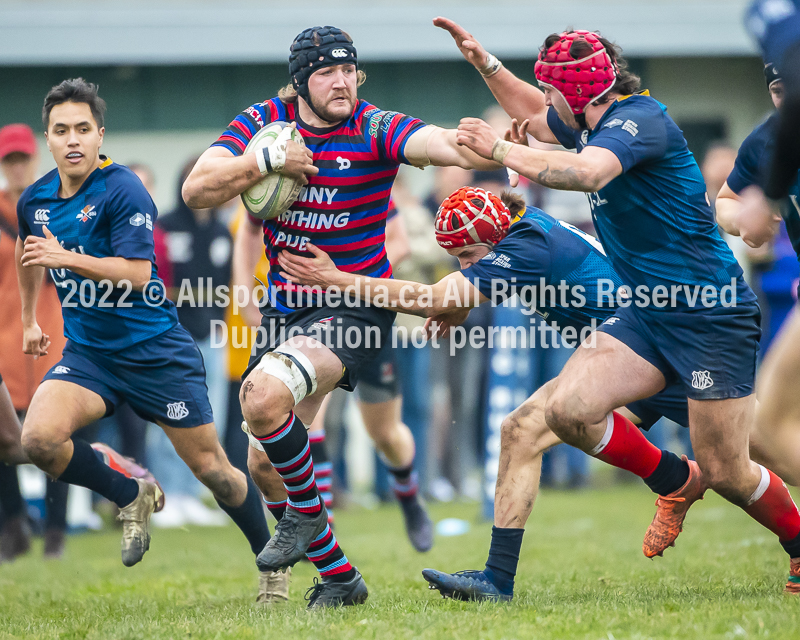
793, 585
668, 521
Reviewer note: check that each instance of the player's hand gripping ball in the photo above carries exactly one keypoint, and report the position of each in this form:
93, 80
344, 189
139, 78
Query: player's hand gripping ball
275, 193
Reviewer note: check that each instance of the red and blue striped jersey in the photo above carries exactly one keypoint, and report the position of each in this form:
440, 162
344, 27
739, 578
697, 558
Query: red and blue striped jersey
343, 208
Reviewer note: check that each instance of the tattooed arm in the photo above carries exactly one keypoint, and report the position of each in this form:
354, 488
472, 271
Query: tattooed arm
590, 170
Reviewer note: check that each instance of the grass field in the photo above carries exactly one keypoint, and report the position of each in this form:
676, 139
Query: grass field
582, 575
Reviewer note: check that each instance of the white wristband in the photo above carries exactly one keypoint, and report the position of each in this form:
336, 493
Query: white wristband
500, 150
262, 162
492, 66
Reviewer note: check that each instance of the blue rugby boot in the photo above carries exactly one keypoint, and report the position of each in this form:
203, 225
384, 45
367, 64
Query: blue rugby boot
465, 585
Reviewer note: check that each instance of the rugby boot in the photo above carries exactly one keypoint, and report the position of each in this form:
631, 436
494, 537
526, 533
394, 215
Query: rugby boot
54, 542
337, 594
128, 467
136, 522
418, 525
293, 535
15, 538
793, 585
672, 508
273, 587
465, 585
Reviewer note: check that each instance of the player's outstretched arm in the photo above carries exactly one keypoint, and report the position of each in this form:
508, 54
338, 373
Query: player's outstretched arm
439, 147
404, 296
29, 279
219, 176
588, 171
47, 252
519, 99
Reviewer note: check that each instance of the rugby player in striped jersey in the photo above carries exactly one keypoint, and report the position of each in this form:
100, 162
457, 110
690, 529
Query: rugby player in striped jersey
354, 150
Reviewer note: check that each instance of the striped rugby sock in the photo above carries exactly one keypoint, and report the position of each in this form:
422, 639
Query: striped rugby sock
404, 482
323, 469
290, 453
329, 559
277, 509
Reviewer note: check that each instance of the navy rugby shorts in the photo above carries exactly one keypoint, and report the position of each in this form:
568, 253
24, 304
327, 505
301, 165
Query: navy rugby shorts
710, 353
163, 379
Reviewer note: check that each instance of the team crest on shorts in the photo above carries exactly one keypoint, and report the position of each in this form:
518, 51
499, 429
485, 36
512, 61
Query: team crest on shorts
177, 410
701, 380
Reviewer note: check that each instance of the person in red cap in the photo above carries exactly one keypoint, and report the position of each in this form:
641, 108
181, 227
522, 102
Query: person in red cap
21, 374
652, 214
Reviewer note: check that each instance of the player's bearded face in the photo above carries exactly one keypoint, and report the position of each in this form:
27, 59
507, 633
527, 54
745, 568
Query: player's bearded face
553, 98
74, 139
333, 91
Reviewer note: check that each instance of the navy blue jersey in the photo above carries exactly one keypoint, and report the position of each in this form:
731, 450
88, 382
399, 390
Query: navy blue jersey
754, 161
111, 215
654, 219
540, 251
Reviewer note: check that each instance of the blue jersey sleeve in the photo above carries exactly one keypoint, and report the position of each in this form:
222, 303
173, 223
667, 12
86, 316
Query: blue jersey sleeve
24, 229
519, 260
562, 132
749, 162
635, 134
132, 216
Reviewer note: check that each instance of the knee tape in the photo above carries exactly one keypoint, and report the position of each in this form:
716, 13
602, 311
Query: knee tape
252, 439
292, 367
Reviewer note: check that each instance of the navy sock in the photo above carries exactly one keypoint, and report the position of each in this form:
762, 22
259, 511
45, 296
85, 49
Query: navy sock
670, 474
249, 517
11, 502
792, 547
501, 567
87, 469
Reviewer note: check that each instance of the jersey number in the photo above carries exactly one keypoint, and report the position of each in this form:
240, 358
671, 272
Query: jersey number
588, 238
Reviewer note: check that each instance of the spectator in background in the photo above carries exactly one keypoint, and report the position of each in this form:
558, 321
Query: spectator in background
198, 251
19, 162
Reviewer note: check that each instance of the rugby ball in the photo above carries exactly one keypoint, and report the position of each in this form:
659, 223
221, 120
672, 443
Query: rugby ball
275, 193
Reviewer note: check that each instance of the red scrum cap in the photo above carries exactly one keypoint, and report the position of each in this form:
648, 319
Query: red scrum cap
471, 216
581, 81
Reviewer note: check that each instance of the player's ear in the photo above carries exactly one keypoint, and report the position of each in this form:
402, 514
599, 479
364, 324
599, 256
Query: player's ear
101, 132
47, 140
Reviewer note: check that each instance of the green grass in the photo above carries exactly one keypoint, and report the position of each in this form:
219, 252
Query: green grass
582, 575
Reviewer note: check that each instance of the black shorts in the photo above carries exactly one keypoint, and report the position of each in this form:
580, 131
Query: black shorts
711, 354
379, 377
355, 335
